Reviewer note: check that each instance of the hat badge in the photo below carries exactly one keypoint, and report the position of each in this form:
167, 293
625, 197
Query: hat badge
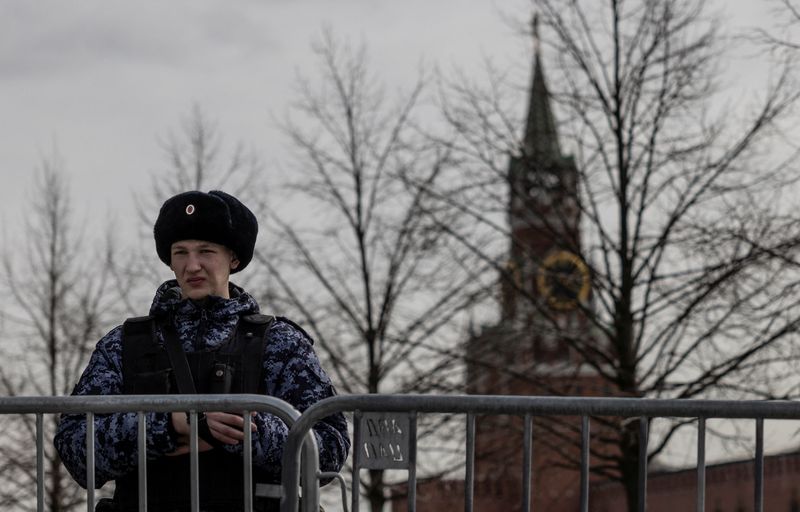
189, 209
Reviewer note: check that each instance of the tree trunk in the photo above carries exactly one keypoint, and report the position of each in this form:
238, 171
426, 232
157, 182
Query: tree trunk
375, 493
629, 464
55, 485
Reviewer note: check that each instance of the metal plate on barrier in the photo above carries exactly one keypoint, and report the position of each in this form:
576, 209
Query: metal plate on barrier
385, 440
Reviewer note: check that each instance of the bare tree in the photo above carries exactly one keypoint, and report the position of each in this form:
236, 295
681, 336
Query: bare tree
677, 209
198, 159
384, 294
59, 299
781, 34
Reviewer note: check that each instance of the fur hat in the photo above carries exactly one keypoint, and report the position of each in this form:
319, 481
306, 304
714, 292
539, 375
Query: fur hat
214, 217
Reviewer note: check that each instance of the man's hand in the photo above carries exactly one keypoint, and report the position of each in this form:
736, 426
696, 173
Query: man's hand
227, 428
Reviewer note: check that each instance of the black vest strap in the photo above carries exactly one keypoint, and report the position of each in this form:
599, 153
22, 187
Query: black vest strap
250, 328
177, 359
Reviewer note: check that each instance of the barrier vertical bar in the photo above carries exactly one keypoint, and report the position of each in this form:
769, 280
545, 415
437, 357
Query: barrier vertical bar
701, 464
357, 454
526, 464
142, 443
194, 463
644, 425
759, 467
469, 480
39, 462
309, 480
585, 426
412, 461
247, 450
90, 461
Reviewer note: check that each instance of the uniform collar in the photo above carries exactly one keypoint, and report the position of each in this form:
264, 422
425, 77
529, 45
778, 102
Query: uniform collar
167, 300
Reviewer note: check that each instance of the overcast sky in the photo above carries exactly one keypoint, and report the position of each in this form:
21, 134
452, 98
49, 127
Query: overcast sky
102, 80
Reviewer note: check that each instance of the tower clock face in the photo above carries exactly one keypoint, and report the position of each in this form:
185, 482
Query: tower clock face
564, 280
542, 185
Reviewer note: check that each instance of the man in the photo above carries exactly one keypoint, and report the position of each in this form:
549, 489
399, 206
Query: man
204, 334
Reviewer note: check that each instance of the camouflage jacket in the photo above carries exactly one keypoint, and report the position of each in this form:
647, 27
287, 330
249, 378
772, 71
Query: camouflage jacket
292, 372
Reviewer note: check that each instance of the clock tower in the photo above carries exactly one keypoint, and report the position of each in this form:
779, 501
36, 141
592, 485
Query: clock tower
547, 276
537, 346
545, 287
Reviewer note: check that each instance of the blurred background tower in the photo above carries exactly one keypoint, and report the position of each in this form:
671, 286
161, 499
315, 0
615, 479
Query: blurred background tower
545, 293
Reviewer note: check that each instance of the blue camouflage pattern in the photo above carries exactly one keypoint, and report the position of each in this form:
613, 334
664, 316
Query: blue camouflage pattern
292, 373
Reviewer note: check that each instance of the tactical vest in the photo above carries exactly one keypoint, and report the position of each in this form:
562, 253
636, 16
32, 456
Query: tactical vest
235, 367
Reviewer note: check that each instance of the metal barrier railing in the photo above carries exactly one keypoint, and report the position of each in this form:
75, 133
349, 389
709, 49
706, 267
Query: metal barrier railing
397, 415
91, 405
380, 409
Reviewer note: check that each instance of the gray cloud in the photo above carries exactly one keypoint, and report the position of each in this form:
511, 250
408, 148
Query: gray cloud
61, 38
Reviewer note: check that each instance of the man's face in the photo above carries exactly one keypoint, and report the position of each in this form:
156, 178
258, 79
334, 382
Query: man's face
202, 268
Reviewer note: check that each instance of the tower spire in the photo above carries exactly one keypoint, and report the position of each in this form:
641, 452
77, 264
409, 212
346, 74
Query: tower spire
541, 139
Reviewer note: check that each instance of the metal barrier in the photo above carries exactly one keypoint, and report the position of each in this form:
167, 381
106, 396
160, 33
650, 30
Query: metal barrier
300, 456
91, 405
379, 407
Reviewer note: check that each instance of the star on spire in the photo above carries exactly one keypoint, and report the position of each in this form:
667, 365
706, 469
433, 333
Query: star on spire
535, 30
